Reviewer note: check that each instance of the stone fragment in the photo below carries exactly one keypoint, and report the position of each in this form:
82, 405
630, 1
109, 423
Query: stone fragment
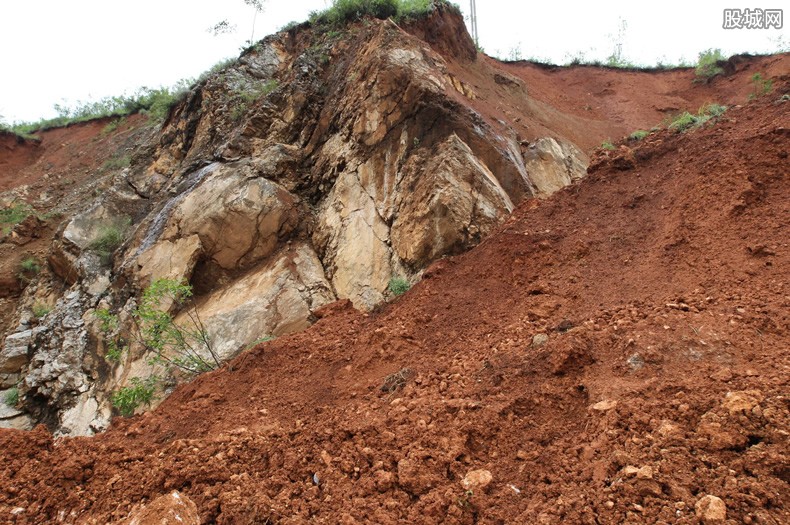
171, 509
711, 510
539, 340
603, 406
477, 479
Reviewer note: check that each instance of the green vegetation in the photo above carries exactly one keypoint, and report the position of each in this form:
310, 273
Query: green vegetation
245, 98
11, 397
12, 215
345, 11
141, 392
707, 66
686, 120
183, 347
108, 238
109, 327
40, 310
174, 346
607, 145
30, 265
761, 86
290, 25
112, 126
117, 163
398, 286
260, 340
156, 103
638, 134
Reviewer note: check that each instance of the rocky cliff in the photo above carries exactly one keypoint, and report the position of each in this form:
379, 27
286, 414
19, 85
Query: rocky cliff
319, 166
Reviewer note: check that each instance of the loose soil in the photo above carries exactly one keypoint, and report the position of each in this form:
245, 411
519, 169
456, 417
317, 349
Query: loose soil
610, 355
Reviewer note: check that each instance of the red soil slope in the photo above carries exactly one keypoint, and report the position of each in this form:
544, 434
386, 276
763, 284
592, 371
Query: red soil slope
661, 283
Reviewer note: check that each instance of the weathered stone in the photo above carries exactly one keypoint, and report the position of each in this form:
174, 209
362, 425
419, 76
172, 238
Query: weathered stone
354, 243
171, 509
477, 479
603, 406
15, 351
742, 402
238, 220
452, 187
539, 340
20, 422
275, 299
711, 510
553, 164
169, 260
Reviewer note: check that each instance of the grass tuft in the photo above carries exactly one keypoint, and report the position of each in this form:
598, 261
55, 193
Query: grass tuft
398, 286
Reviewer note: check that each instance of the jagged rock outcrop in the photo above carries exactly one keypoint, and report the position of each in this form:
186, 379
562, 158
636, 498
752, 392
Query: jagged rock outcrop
316, 168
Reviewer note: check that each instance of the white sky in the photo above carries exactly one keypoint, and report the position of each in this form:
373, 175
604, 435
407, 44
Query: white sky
56, 51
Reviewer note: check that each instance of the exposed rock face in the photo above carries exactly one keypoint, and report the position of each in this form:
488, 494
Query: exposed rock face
314, 169
274, 299
553, 164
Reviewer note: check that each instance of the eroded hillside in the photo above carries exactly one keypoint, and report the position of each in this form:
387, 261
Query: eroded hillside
619, 324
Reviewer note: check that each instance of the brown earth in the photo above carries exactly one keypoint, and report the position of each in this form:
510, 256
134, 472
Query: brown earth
613, 354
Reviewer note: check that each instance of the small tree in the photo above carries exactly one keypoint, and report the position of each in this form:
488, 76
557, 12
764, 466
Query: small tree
185, 346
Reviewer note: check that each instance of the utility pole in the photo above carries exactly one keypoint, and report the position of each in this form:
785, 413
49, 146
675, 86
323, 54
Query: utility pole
473, 21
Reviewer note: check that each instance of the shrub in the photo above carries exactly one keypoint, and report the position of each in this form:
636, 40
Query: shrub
345, 11
398, 286
293, 24
184, 347
707, 66
683, 121
173, 345
112, 126
11, 397
246, 97
141, 392
109, 327
638, 134
607, 145
410, 9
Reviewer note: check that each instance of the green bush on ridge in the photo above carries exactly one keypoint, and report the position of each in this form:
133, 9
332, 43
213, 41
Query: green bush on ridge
345, 11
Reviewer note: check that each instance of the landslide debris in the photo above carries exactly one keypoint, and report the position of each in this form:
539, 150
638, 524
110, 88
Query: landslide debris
655, 394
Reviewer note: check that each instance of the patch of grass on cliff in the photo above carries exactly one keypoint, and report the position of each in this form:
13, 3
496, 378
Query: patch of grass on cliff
398, 286
30, 265
11, 397
117, 163
108, 238
345, 11
686, 121
12, 215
